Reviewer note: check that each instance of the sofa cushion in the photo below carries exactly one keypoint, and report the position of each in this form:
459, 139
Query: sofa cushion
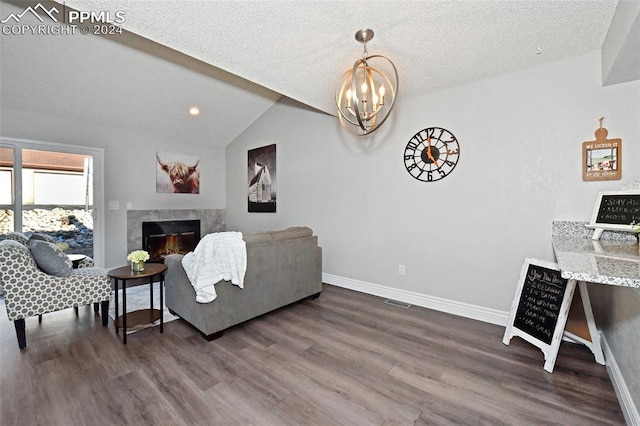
50, 259
257, 238
293, 232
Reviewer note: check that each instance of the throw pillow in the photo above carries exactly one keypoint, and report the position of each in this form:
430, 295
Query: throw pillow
50, 259
293, 232
256, 238
41, 237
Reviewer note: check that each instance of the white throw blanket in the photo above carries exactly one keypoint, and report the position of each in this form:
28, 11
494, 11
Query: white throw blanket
218, 256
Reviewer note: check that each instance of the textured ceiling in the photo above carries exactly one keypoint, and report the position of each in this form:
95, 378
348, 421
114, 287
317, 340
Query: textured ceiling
300, 48
235, 58
133, 85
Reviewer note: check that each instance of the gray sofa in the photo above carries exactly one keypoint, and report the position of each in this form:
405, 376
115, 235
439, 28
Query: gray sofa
283, 267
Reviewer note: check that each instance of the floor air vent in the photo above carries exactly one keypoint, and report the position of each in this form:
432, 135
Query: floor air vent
397, 303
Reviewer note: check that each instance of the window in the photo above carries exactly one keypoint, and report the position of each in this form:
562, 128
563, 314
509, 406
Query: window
50, 188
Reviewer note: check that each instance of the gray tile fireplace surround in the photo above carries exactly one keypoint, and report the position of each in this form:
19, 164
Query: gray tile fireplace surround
211, 220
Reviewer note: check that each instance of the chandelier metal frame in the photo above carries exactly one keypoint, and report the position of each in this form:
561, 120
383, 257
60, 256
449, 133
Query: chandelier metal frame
361, 108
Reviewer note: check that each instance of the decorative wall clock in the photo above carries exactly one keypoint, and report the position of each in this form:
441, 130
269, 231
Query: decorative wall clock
431, 154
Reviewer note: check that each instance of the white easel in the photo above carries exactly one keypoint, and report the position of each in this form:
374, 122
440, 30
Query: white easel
550, 350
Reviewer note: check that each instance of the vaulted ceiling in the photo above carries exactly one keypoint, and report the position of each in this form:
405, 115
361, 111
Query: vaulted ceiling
234, 59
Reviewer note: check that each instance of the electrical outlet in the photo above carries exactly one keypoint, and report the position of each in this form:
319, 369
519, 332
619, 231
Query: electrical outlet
114, 205
401, 269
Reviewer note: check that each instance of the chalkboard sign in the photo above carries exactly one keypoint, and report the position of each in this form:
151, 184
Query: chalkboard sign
540, 308
615, 210
540, 300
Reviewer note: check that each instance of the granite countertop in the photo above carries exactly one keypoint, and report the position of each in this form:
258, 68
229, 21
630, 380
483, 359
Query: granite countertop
606, 261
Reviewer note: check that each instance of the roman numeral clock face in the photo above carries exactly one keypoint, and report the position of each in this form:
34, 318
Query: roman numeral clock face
431, 154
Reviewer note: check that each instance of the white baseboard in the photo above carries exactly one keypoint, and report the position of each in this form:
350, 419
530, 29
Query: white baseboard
466, 310
629, 409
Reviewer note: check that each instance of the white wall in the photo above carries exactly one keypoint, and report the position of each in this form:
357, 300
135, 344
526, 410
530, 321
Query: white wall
462, 238
130, 168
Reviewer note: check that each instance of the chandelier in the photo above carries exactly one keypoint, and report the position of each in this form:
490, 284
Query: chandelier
366, 93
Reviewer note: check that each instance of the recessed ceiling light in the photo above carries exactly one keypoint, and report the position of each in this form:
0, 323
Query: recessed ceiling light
194, 110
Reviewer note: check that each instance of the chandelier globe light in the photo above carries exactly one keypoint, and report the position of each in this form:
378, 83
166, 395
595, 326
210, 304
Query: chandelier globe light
366, 93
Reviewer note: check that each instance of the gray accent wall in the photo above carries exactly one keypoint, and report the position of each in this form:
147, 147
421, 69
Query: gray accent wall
617, 315
463, 238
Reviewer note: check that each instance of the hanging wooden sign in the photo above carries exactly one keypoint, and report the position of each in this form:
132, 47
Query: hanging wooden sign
602, 158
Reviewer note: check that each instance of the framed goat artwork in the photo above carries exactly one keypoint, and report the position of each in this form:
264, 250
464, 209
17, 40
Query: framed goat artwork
261, 178
177, 173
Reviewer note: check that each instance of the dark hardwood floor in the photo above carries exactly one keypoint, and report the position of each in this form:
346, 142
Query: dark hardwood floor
345, 358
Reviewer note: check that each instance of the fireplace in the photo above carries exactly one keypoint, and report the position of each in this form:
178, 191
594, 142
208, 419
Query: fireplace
169, 237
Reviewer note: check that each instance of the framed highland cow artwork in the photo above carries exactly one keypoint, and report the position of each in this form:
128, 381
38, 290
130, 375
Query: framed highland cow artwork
261, 178
177, 173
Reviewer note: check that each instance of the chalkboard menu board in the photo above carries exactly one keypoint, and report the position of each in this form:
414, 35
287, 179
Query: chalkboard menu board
619, 209
540, 301
540, 308
615, 210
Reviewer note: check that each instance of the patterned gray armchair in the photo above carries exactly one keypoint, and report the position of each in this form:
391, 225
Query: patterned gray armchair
29, 291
